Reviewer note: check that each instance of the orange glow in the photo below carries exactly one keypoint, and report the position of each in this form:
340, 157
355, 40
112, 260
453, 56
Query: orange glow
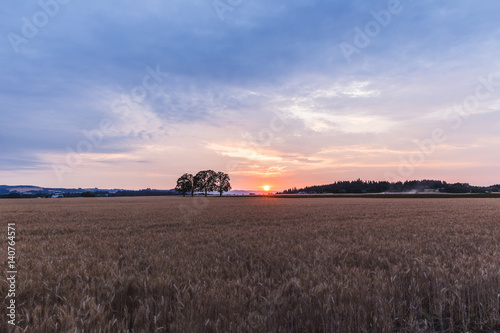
267, 188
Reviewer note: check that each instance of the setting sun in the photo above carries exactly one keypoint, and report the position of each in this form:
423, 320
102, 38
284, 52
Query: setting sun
267, 187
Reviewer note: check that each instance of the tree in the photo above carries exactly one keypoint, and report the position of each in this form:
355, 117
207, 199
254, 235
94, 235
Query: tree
185, 184
456, 188
222, 182
205, 181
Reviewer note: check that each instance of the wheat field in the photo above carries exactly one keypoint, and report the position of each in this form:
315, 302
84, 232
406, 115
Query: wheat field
254, 264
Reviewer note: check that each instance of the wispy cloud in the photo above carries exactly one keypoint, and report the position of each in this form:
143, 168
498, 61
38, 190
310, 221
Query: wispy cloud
224, 82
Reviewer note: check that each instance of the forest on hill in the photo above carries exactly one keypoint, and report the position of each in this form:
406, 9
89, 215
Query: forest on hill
361, 186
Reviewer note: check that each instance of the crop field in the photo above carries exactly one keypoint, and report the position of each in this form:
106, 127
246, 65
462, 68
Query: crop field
254, 264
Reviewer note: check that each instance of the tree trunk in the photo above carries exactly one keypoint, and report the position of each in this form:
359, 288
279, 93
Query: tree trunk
183, 194
206, 192
220, 193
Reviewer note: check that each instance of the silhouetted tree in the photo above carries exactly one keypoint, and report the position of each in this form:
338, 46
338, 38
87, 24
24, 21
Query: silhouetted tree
456, 188
205, 181
222, 182
359, 186
185, 184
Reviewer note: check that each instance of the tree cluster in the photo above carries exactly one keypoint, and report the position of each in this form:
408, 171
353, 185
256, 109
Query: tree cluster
357, 186
204, 181
360, 186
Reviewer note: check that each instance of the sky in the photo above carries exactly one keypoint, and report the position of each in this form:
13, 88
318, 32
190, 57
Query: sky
279, 93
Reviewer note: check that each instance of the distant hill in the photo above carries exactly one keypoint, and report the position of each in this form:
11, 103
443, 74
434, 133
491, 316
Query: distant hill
242, 192
19, 188
31, 191
356, 186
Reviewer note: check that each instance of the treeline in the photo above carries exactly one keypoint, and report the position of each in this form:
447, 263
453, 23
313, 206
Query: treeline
360, 186
143, 193
204, 181
90, 194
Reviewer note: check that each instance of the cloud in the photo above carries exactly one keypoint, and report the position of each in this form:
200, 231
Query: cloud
224, 82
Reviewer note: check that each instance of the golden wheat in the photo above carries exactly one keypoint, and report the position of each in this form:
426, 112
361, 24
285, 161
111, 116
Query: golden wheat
255, 264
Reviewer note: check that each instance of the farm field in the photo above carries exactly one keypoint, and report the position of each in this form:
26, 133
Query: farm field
254, 264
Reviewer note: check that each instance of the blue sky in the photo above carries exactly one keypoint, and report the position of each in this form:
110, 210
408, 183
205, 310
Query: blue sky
284, 93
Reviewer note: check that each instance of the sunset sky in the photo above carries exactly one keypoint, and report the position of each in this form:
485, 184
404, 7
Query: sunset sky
279, 93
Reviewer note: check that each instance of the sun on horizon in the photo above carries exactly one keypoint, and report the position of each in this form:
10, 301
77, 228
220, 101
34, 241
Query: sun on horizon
266, 187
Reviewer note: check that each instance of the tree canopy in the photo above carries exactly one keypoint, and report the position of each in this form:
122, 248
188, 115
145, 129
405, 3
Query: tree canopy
222, 182
204, 181
185, 184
